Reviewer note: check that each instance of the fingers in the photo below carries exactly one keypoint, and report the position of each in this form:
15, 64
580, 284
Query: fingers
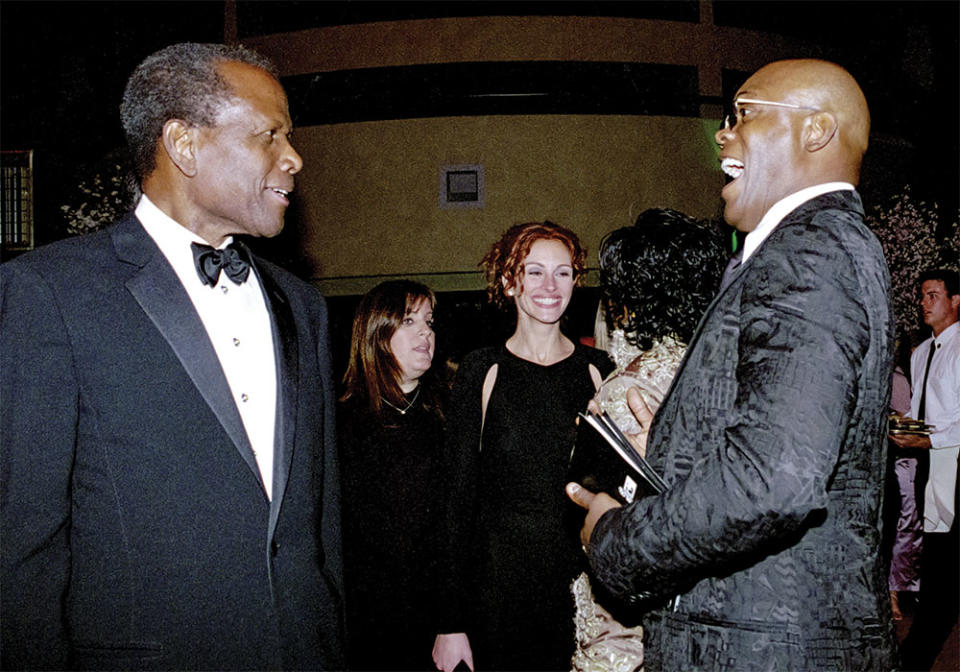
639, 407
910, 441
593, 406
580, 496
599, 505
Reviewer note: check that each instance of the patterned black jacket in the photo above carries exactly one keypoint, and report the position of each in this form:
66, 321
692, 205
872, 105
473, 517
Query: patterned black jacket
772, 441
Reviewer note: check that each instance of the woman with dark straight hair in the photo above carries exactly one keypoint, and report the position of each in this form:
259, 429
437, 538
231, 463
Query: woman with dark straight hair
390, 434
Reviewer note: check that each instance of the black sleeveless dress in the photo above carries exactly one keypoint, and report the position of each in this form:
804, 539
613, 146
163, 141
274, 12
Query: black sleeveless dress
513, 554
392, 516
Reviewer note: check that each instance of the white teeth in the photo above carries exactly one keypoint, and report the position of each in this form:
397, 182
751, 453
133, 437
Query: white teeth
731, 167
282, 192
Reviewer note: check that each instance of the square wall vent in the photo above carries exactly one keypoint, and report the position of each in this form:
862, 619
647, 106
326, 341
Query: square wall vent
462, 186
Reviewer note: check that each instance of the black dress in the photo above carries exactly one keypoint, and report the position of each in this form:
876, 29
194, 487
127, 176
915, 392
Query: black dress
391, 519
513, 554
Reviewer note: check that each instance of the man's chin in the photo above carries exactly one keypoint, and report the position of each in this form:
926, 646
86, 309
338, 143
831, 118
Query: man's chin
739, 220
731, 215
270, 229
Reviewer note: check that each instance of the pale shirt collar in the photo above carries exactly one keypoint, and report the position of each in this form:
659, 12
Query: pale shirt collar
171, 237
948, 334
782, 208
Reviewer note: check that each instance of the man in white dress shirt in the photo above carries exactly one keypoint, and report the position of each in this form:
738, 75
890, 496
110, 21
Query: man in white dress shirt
170, 492
935, 369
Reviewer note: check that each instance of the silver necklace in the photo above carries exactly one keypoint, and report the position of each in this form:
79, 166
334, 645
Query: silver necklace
403, 411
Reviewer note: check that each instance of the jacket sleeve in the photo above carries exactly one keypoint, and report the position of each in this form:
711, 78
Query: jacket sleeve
39, 398
760, 478
461, 467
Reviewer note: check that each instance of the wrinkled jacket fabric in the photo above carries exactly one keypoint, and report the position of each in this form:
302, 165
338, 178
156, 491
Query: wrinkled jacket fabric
772, 442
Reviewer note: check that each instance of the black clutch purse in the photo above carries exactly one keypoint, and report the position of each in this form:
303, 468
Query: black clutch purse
604, 460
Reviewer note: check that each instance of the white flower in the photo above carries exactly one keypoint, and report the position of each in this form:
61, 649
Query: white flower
906, 230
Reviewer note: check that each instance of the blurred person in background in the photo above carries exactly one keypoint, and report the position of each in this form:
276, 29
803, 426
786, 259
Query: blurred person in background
935, 370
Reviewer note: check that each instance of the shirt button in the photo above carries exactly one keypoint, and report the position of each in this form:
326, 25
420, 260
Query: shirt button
236, 342
244, 397
223, 288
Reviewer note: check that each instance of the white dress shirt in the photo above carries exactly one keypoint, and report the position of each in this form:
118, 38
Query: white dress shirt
943, 412
238, 324
784, 207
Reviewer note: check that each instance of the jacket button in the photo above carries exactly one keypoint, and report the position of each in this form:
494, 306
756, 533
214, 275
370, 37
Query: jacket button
274, 548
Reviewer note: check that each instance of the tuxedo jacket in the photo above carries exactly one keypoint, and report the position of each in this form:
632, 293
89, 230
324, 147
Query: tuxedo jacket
772, 440
136, 532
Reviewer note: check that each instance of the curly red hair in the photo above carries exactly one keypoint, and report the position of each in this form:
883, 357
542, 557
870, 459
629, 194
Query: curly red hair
503, 263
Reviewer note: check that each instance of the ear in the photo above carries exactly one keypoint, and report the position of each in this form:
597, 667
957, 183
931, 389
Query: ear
180, 144
818, 130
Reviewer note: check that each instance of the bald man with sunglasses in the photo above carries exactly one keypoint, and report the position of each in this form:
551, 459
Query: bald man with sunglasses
763, 554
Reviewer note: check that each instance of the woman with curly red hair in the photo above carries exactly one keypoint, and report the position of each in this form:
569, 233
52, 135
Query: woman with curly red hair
510, 429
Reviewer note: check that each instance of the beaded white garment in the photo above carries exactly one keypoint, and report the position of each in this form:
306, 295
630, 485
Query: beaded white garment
603, 644
651, 370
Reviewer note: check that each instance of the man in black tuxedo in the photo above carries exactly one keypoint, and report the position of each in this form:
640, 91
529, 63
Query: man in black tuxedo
772, 436
169, 495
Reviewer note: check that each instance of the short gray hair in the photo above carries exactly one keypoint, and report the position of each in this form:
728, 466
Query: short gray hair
178, 82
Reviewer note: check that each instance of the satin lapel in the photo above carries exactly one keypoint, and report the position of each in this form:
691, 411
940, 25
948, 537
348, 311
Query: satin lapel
286, 351
161, 296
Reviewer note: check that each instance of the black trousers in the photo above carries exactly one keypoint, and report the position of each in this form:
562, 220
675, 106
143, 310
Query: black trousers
939, 600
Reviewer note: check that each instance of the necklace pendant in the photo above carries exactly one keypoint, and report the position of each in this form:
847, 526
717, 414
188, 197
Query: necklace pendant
403, 411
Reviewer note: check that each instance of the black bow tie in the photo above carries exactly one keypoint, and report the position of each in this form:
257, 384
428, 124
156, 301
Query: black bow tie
233, 260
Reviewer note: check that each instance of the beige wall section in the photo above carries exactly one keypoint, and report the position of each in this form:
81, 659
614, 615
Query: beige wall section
369, 192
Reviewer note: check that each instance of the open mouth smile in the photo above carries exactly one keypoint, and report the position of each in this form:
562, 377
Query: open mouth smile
731, 167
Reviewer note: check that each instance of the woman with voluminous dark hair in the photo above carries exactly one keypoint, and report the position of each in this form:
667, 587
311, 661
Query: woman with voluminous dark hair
390, 433
657, 278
